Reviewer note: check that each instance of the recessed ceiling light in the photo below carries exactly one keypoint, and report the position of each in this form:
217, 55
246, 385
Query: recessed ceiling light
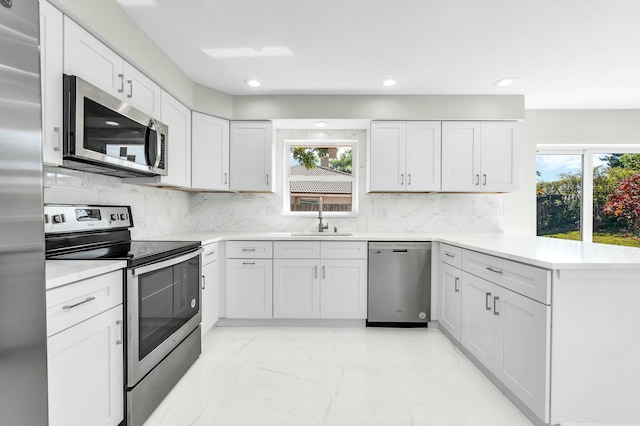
112, 123
504, 82
389, 82
321, 124
252, 83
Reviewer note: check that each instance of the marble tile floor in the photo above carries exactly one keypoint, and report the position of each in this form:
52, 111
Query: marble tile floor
313, 376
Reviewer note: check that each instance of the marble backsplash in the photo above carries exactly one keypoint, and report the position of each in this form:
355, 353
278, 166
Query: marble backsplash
377, 213
156, 211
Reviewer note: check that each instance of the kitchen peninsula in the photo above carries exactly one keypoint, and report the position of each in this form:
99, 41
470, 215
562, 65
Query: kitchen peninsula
571, 359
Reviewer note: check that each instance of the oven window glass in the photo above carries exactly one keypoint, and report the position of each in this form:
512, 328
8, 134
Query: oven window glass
109, 133
169, 298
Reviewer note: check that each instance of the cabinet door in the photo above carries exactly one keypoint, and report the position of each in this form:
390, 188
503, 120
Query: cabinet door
209, 152
343, 289
88, 58
423, 156
461, 156
476, 333
387, 156
522, 348
251, 148
178, 118
51, 69
499, 158
209, 303
249, 288
85, 370
450, 301
141, 92
296, 288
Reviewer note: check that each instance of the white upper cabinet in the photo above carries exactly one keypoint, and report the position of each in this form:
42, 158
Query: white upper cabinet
405, 156
479, 156
51, 69
178, 118
90, 59
251, 156
209, 152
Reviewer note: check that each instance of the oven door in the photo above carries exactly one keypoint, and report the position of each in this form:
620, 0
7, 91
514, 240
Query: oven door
102, 129
163, 307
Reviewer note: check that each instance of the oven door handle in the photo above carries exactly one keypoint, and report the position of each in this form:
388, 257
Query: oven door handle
166, 263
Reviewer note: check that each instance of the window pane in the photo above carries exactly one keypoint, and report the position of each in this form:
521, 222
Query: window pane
616, 191
321, 171
559, 195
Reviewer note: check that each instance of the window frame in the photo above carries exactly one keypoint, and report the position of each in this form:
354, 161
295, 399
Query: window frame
587, 152
286, 203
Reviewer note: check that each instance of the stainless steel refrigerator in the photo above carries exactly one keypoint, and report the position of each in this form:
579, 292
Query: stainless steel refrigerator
23, 357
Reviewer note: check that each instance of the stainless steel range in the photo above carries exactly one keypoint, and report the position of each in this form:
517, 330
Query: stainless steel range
162, 295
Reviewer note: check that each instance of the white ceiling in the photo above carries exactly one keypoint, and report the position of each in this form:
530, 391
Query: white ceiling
565, 53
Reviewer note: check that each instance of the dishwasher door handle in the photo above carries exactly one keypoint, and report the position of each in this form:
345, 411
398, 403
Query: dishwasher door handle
399, 250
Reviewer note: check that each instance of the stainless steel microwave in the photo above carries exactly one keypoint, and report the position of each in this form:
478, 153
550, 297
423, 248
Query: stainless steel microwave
103, 134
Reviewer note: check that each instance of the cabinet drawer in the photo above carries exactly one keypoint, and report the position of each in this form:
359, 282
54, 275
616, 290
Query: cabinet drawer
296, 249
249, 249
71, 304
451, 255
343, 249
527, 280
210, 253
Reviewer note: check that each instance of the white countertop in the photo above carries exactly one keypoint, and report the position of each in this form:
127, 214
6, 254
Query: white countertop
550, 253
62, 272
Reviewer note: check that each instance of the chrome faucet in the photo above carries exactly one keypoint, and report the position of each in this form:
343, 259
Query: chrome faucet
321, 227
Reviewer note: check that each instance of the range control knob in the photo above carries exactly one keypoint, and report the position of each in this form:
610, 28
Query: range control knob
123, 216
114, 216
57, 218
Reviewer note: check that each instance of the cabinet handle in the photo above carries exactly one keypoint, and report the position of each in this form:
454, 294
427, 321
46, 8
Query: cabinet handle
495, 310
497, 271
225, 178
409, 179
121, 89
484, 179
88, 299
210, 253
324, 274
486, 301
455, 286
449, 255
58, 147
267, 178
119, 341
248, 263
477, 179
402, 179
203, 284
316, 271
248, 249
130, 95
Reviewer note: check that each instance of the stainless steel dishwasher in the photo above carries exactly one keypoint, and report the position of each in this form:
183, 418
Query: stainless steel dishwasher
399, 284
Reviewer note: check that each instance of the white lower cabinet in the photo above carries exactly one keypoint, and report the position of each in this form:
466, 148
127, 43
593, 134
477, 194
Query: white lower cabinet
85, 370
509, 334
344, 289
249, 288
320, 279
210, 287
296, 288
450, 291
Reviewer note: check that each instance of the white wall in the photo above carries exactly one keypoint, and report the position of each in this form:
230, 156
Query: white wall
561, 127
377, 212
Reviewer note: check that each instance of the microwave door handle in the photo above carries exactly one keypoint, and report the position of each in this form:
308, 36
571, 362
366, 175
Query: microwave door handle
158, 145
152, 162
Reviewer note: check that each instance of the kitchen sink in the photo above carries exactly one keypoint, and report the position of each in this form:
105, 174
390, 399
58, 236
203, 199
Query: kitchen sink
320, 234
